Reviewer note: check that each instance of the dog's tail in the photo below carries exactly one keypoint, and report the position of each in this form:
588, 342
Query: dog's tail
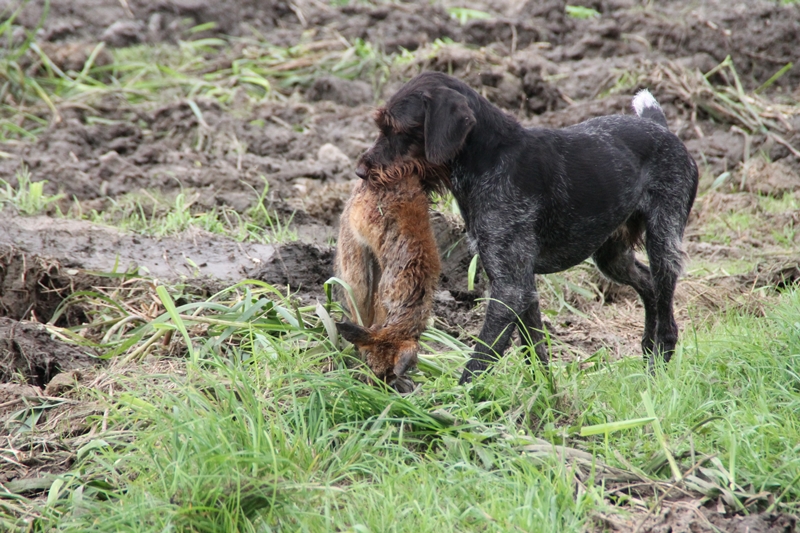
646, 106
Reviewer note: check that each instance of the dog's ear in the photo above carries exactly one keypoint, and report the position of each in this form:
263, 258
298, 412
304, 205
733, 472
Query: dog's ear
354, 333
448, 121
405, 359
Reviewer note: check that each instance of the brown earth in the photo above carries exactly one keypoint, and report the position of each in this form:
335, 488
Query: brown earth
529, 57
688, 516
27, 349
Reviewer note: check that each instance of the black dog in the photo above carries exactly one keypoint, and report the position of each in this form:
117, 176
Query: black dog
537, 201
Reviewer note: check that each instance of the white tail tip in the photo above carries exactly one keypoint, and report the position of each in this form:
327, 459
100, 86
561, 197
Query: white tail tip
643, 100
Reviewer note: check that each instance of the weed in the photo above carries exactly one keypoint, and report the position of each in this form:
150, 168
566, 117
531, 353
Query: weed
786, 236
558, 291
784, 204
444, 203
28, 196
19, 90
254, 69
581, 12
464, 15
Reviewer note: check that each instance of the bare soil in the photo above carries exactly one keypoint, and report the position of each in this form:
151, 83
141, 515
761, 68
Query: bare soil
689, 516
529, 57
26, 348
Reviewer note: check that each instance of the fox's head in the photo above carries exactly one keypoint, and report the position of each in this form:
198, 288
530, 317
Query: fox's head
387, 354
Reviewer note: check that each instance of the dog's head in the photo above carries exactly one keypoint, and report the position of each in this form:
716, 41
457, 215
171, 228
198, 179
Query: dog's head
388, 356
422, 128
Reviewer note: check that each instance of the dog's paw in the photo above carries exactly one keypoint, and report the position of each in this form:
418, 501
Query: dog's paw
473, 368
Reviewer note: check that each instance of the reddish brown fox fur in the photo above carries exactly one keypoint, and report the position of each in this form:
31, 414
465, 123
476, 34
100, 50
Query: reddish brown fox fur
387, 254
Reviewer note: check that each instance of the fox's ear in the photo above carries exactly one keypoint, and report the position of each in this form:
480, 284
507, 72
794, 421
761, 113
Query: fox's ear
354, 333
405, 359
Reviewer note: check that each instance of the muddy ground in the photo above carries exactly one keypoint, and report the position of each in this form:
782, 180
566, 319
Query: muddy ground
530, 58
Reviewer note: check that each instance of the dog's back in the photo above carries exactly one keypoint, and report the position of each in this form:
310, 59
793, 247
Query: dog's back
595, 176
388, 255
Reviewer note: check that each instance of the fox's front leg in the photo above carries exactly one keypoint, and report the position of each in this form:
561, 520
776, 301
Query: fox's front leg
356, 265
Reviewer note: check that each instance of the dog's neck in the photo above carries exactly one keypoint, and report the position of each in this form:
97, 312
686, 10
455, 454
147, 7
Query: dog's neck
494, 134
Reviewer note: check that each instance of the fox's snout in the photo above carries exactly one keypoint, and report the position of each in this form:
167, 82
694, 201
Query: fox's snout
388, 355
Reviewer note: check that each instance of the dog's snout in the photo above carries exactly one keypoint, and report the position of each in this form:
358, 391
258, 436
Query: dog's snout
361, 170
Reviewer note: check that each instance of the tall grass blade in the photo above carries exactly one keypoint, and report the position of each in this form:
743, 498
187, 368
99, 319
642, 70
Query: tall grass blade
169, 305
648, 405
611, 427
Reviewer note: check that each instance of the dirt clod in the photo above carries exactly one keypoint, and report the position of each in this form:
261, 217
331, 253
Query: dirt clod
304, 266
774, 179
28, 350
32, 287
341, 91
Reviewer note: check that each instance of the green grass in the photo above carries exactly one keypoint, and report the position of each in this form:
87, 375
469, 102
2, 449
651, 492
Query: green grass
151, 213
732, 392
700, 267
784, 204
726, 227
581, 12
28, 197
18, 89
464, 14
253, 435
227, 451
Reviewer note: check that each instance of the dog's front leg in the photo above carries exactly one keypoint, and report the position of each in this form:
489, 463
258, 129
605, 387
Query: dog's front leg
532, 330
505, 309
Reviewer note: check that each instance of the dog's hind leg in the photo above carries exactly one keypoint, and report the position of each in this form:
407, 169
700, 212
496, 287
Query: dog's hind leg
664, 250
616, 259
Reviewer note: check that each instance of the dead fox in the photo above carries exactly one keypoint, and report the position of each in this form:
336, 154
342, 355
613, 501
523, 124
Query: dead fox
387, 254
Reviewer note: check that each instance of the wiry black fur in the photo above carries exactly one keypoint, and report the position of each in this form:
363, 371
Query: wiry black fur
538, 200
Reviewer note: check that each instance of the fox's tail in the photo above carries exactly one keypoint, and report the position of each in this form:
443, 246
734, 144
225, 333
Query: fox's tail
646, 106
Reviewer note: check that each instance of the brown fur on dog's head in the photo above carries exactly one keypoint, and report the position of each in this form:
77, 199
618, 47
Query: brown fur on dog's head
388, 355
422, 128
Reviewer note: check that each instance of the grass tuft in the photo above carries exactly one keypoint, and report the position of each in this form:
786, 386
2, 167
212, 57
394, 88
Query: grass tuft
150, 213
28, 196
